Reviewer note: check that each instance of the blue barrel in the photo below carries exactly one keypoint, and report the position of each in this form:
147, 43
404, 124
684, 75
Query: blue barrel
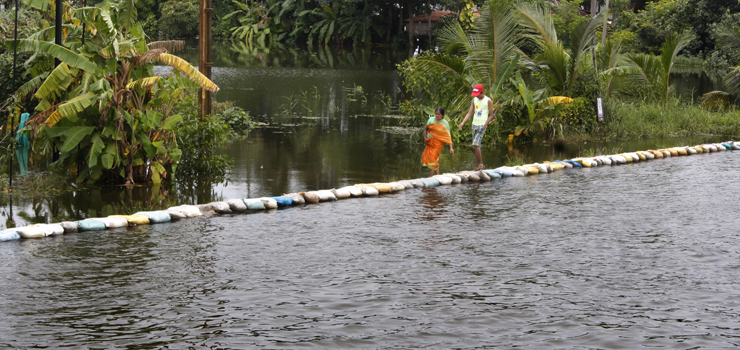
430, 182
254, 204
156, 217
283, 201
9, 235
574, 163
90, 225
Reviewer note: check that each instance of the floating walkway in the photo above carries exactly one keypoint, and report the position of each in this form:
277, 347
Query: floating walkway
359, 190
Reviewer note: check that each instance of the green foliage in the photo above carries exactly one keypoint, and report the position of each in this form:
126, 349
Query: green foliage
103, 109
199, 140
238, 121
179, 19
29, 22
431, 89
628, 120
650, 75
467, 18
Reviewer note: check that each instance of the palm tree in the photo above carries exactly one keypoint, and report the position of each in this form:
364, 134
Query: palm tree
729, 37
487, 55
609, 57
650, 75
559, 62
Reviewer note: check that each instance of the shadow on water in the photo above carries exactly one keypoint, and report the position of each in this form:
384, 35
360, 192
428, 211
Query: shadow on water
329, 122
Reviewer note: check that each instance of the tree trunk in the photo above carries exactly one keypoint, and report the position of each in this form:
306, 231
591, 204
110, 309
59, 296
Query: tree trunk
606, 22
390, 25
429, 25
411, 28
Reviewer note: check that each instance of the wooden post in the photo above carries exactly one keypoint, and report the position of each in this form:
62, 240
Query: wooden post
204, 50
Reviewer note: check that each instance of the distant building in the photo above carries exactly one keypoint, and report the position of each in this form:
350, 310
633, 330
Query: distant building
421, 23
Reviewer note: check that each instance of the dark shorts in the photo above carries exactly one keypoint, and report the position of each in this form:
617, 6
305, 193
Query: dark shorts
478, 131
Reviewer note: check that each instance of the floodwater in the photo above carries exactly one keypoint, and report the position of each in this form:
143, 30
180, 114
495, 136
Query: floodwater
643, 255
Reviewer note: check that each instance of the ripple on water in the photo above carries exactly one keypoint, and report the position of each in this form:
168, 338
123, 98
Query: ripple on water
636, 256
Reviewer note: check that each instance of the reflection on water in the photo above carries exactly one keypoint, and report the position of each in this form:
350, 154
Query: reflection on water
637, 256
334, 145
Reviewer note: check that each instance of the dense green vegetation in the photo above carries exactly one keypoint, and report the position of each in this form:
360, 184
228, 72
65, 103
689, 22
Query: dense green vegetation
101, 113
563, 55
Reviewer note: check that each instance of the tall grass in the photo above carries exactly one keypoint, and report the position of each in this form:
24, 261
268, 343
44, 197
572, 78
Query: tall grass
628, 120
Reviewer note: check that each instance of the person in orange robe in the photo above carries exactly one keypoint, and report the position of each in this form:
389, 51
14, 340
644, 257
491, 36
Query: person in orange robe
436, 135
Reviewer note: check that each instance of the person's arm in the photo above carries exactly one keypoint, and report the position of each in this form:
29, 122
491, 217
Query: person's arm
467, 116
452, 151
491, 113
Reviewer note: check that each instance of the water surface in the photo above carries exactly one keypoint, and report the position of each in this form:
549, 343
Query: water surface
642, 255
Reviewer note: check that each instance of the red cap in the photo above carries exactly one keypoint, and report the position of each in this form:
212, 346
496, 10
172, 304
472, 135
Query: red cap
477, 90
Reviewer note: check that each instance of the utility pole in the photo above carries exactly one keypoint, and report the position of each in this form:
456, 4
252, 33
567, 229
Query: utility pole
204, 50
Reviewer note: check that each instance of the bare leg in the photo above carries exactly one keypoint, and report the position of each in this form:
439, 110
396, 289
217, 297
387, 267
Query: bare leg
478, 157
431, 173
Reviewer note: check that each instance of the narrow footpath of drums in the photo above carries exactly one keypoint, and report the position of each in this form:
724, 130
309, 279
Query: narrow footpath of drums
359, 190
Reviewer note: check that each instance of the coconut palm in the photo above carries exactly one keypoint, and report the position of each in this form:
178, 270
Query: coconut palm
102, 107
487, 55
558, 62
729, 37
612, 62
650, 76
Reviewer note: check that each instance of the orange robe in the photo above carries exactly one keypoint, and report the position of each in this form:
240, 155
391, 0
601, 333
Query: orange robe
440, 137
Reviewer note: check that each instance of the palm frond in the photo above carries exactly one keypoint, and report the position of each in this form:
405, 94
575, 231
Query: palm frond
728, 36
494, 41
557, 64
539, 24
732, 81
716, 99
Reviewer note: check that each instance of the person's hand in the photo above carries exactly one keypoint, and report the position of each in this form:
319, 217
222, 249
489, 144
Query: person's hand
452, 152
459, 126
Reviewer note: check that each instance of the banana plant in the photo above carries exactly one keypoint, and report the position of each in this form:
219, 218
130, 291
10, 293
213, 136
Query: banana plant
102, 106
539, 106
